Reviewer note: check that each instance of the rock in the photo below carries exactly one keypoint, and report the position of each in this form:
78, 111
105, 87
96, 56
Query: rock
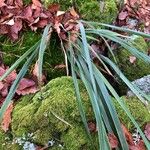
54, 118
132, 68
143, 84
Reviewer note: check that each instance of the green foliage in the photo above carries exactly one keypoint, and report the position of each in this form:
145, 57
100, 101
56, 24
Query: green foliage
96, 84
53, 55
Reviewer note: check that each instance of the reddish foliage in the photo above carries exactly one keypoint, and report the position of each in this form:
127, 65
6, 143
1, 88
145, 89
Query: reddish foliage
138, 10
147, 131
7, 118
26, 86
92, 126
113, 140
14, 15
139, 146
127, 134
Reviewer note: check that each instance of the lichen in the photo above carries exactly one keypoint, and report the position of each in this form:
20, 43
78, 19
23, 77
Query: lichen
137, 109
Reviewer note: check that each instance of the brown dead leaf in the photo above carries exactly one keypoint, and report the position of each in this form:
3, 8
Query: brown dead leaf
61, 66
113, 141
123, 15
127, 134
92, 126
54, 8
132, 59
74, 13
37, 3
147, 131
139, 146
7, 118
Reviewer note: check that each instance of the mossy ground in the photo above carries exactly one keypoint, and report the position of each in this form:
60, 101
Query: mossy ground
53, 54
55, 116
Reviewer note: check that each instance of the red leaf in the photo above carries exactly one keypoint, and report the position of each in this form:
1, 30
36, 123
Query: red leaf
11, 77
4, 90
35, 73
113, 140
147, 131
37, 3
29, 90
7, 118
25, 83
1, 85
92, 126
138, 146
127, 134
14, 30
26, 86
123, 15
54, 8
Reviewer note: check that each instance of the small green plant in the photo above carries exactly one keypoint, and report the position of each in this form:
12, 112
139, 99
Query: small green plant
97, 86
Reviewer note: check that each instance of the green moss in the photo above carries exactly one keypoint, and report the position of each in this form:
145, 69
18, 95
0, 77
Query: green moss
137, 109
140, 67
55, 115
91, 11
136, 70
7, 143
13, 50
53, 54
52, 115
80, 138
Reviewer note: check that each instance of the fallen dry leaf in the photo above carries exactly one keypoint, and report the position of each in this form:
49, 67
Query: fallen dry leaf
7, 118
123, 15
74, 13
92, 126
132, 59
127, 134
113, 141
147, 131
139, 146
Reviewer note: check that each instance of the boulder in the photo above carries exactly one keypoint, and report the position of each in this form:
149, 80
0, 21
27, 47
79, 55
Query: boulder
143, 84
132, 70
52, 116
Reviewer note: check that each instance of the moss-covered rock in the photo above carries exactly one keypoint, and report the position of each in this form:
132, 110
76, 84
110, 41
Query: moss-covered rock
134, 70
57, 113
54, 116
137, 109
